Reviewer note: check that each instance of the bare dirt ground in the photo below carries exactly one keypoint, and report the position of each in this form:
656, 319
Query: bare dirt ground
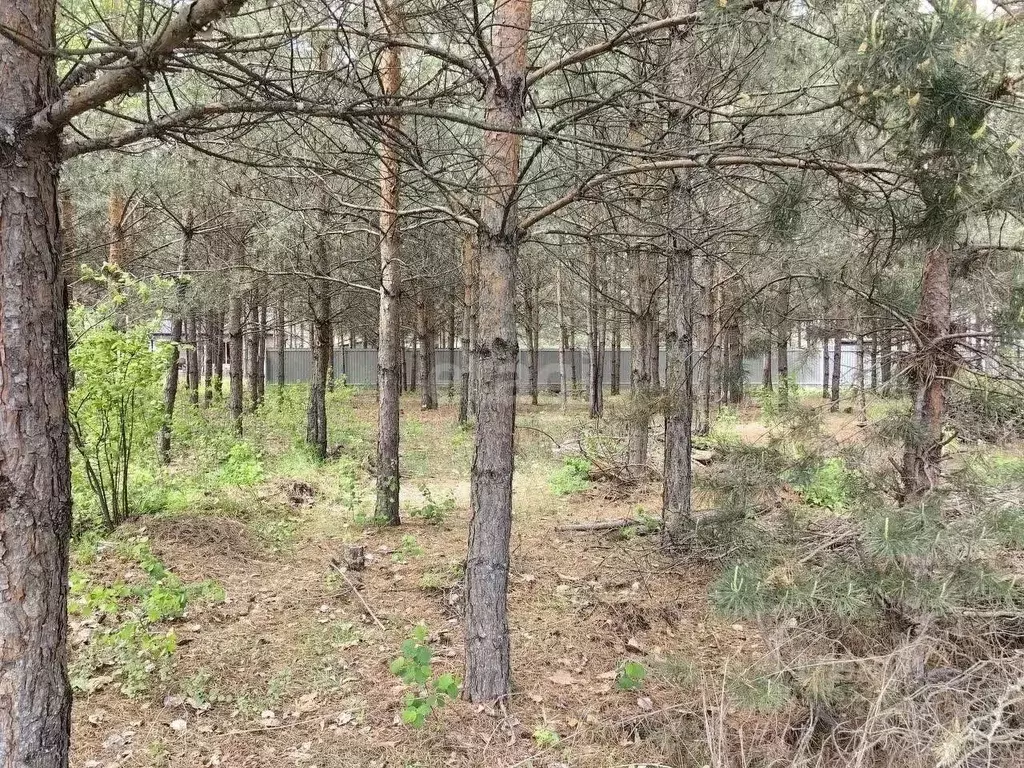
292, 668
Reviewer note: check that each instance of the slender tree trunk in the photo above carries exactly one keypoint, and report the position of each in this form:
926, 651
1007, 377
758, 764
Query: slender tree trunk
703, 340
252, 343
885, 364
235, 371
574, 369
282, 342
219, 356
177, 324
716, 374
837, 363
785, 331
862, 406
640, 332
426, 334
825, 376
466, 351
594, 383
766, 372
534, 341
734, 359
615, 384
488, 662
192, 358
261, 367
873, 361
932, 367
35, 472
563, 384
323, 349
209, 356
390, 355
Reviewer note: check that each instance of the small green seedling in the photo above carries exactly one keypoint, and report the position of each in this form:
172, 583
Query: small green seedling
631, 676
429, 693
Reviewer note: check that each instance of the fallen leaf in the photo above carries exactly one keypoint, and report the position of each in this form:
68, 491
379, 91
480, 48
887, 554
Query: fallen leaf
178, 725
561, 677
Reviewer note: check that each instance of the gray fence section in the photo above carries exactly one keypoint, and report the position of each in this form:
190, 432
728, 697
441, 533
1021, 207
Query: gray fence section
359, 367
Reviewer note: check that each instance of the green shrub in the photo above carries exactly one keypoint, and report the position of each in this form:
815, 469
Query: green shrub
429, 692
572, 477
829, 484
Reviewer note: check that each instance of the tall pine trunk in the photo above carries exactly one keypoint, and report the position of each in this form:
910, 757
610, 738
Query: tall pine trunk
595, 383
426, 334
279, 332
390, 355
35, 472
252, 358
563, 384
784, 330
192, 358
465, 342
488, 662
837, 363
640, 330
323, 350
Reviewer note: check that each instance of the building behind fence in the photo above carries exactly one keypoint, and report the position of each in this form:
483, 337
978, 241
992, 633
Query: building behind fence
359, 367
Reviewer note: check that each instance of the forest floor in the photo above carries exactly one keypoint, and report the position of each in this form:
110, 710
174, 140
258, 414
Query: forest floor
282, 659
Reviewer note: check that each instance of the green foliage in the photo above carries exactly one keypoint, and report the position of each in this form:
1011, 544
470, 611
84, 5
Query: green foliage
429, 692
759, 691
572, 477
114, 407
123, 620
546, 738
630, 676
407, 549
433, 510
829, 484
241, 466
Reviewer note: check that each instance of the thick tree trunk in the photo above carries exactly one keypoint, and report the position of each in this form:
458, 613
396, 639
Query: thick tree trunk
177, 325
488, 662
323, 350
35, 473
235, 372
390, 355
930, 371
734, 359
679, 349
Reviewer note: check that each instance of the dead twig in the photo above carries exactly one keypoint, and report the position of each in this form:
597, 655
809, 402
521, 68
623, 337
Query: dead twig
355, 591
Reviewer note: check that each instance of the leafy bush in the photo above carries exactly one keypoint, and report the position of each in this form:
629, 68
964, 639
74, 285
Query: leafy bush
433, 510
572, 477
429, 692
828, 485
114, 405
241, 466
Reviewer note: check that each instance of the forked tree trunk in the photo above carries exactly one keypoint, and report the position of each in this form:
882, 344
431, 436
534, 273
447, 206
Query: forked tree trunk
177, 326
235, 372
930, 371
35, 473
390, 355
488, 662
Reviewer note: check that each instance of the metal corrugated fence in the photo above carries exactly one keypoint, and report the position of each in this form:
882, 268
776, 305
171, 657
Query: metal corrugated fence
359, 366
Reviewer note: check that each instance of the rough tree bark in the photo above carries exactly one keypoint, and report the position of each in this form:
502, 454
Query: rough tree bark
390, 355
678, 481
595, 383
252, 344
35, 473
219, 350
640, 330
279, 331
488, 663
192, 358
563, 384
930, 372
322, 351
